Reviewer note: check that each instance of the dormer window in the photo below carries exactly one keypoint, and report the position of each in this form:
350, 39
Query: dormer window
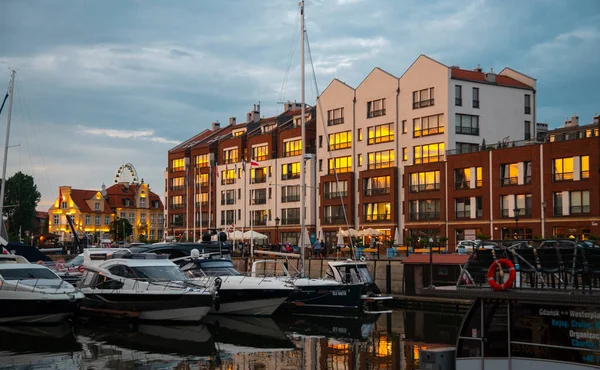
97, 206
126, 201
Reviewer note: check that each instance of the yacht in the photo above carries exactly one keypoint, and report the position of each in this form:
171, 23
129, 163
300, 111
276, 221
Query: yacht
145, 286
32, 293
238, 294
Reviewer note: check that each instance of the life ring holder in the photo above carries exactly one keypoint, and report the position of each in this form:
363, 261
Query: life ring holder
512, 274
362, 259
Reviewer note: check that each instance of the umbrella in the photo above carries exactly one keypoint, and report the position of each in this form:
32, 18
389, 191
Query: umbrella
304, 239
397, 237
340, 238
349, 232
253, 235
370, 232
236, 235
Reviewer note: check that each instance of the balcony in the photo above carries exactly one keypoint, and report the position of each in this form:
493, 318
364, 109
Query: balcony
458, 185
523, 212
423, 103
506, 181
334, 220
259, 222
177, 206
424, 187
290, 176
339, 170
202, 204
224, 222
177, 169
424, 216
290, 198
260, 179
429, 159
376, 191
334, 194
380, 165
259, 200
204, 223
462, 214
201, 184
376, 113
176, 224
290, 221
177, 187
335, 121
227, 201
225, 181
374, 218
467, 130
563, 176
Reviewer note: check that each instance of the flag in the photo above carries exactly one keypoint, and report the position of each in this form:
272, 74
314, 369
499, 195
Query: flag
62, 197
253, 162
4, 251
217, 171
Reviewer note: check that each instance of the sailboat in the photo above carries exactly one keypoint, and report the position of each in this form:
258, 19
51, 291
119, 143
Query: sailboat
347, 288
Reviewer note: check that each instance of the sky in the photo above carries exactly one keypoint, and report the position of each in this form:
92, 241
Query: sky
104, 83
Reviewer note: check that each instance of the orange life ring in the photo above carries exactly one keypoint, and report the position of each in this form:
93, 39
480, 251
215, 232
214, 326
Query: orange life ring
512, 274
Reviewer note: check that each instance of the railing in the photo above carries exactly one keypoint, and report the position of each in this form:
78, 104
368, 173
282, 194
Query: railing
292, 153
260, 179
505, 181
334, 219
462, 185
380, 165
475, 103
260, 200
429, 159
177, 187
424, 216
290, 176
228, 201
372, 218
290, 198
527, 110
428, 131
205, 223
380, 139
226, 181
557, 211
424, 187
177, 206
462, 214
341, 145
177, 169
225, 221
376, 113
376, 191
467, 130
458, 102
290, 221
334, 194
201, 184
339, 170
201, 204
563, 176
585, 174
423, 103
15, 285
335, 121
523, 212
259, 222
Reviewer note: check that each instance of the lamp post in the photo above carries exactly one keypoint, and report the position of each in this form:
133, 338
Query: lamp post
544, 219
516, 212
430, 246
277, 230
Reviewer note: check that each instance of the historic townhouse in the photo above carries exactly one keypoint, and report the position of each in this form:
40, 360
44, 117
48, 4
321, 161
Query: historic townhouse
366, 136
524, 189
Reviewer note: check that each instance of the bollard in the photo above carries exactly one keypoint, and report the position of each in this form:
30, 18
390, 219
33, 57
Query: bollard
388, 279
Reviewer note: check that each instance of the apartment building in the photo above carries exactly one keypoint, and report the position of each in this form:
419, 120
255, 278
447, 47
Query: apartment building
245, 176
509, 190
367, 135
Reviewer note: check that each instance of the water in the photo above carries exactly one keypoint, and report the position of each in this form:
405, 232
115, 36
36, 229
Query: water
389, 341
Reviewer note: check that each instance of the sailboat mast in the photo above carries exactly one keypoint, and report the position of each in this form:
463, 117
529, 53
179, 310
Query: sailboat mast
11, 88
303, 141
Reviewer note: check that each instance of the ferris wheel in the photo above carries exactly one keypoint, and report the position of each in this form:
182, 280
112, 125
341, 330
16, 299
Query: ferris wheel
126, 173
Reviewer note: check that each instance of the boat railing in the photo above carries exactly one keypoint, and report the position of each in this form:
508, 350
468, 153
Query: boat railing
16, 285
551, 264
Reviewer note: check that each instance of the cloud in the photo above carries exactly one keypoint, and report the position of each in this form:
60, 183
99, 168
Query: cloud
128, 134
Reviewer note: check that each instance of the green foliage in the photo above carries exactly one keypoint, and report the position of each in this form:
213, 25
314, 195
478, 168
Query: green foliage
483, 237
21, 197
120, 227
143, 238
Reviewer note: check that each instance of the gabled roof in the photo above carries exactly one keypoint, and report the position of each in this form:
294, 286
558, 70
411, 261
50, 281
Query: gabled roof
476, 76
41, 214
80, 196
372, 71
336, 80
118, 192
515, 71
423, 56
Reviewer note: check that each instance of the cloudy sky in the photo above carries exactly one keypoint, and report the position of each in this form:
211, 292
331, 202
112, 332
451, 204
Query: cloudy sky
103, 83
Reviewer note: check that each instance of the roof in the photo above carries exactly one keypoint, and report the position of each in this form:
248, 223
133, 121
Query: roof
572, 128
80, 196
118, 192
475, 76
438, 259
41, 214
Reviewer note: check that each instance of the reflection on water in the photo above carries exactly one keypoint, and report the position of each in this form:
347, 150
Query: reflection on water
292, 342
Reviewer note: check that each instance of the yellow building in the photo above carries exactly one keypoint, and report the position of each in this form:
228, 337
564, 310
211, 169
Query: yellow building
93, 211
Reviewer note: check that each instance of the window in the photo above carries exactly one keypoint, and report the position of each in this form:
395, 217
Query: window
382, 159
424, 210
475, 97
96, 206
340, 140
379, 185
462, 208
334, 215
405, 154
466, 148
527, 104
56, 219
562, 169
228, 177
428, 153
527, 130
585, 166
467, 124
404, 127
258, 175
380, 134
430, 125
230, 156
202, 198
509, 174
423, 98
320, 141
177, 183
579, 202
227, 197
142, 202
258, 196
142, 218
106, 220
462, 178
63, 205
376, 108
290, 216
124, 214
333, 190
458, 95
359, 157
290, 171
340, 164
424, 181
557, 207
97, 220
359, 134
228, 217
106, 283
521, 201
528, 173
376, 211
292, 148
260, 153
201, 179
131, 218
335, 116
177, 164
259, 217
153, 218
202, 160
88, 220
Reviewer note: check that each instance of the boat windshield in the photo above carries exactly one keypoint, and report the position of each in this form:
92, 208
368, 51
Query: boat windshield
365, 275
159, 273
218, 268
27, 274
77, 261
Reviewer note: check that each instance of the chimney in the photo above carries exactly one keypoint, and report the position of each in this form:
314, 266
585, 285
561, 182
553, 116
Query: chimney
231, 121
491, 76
291, 106
478, 69
573, 122
216, 125
254, 116
597, 119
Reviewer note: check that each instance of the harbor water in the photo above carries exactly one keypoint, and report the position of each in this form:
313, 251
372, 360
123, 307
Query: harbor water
387, 341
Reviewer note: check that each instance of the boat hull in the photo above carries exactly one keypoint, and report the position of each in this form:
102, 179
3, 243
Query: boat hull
333, 299
249, 302
150, 306
38, 311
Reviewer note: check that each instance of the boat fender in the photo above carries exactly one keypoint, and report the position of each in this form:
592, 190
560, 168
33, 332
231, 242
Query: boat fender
217, 303
362, 258
512, 274
81, 269
60, 265
40, 262
218, 283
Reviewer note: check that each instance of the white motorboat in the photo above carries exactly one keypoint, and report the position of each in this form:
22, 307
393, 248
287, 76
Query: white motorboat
238, 294
144, 286
32, 293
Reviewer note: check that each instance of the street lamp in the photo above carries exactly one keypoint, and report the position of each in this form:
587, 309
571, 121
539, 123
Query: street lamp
516, 212
430, 246
277, 229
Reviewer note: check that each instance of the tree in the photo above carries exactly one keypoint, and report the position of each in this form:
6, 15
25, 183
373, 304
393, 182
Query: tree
21, 197
119, 228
